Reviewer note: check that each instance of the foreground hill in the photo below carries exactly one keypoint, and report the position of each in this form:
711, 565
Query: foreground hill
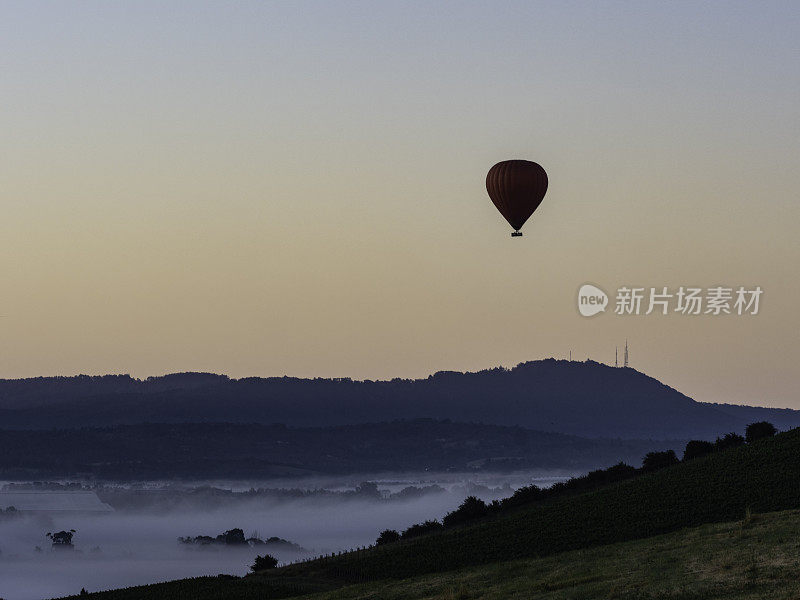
726, 485
749, 559
586, 399
235, 450
752, 558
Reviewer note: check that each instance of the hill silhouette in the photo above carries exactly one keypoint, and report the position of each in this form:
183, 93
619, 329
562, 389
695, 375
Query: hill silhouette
587, 399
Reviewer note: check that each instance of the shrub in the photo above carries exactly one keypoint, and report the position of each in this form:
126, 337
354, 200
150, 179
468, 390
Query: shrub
421, 529
387, 536
618, 472
760, 430
590, 481
524, 495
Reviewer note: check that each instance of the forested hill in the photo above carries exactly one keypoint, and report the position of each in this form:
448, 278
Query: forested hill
579, 398
237, 450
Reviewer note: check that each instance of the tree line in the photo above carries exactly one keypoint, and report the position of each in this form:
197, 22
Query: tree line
473, 508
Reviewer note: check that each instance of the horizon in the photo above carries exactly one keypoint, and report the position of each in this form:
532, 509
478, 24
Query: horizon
389, 380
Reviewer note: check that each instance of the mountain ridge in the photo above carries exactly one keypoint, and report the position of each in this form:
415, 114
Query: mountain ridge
586, 399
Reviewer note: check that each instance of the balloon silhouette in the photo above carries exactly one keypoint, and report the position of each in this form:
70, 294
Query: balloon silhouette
517, 188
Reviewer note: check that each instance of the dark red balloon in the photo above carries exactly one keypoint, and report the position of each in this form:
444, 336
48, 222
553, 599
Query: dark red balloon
517, 188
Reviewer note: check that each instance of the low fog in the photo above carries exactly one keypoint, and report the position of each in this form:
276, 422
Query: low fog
138, 543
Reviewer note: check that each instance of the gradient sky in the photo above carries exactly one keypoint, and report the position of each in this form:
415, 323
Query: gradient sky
298, 188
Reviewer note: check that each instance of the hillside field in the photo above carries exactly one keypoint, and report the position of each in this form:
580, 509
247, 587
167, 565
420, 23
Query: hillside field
755, 558
529, 546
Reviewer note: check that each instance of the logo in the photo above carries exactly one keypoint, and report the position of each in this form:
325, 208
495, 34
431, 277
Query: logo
591, 300
684, 300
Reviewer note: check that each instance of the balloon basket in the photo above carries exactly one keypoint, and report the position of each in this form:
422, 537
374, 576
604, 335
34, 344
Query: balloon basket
516, 234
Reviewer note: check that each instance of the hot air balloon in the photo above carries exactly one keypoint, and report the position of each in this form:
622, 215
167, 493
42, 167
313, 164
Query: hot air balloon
517, 188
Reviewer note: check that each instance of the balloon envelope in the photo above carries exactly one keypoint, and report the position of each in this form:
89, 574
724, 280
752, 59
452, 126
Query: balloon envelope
517, 188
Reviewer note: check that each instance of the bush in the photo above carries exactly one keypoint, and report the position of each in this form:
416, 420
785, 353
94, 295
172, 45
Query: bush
590, 481
729, 440
758, 431
264, 562
653, 461
696, 449
472, 508
524, 495
387, 536
422, 529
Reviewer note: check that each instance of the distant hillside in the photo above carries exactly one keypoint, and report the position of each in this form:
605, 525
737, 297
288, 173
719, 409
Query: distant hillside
726, 485
49, 391
226, 450
586, 399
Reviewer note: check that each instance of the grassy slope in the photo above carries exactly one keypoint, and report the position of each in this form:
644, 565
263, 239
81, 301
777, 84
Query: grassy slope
756, 559
717, 488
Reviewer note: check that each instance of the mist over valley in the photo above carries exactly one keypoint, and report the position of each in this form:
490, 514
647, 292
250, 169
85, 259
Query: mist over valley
136, 541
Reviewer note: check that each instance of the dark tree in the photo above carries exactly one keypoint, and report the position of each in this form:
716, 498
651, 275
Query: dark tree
368, 489
696, 449
264, 562
200, 539
760, 430
729, 440
387, 536
472, 508
62, 539
234, 537
653, 461
256, 541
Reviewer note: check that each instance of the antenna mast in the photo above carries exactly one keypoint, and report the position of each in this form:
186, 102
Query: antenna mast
616, 356
626, 354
